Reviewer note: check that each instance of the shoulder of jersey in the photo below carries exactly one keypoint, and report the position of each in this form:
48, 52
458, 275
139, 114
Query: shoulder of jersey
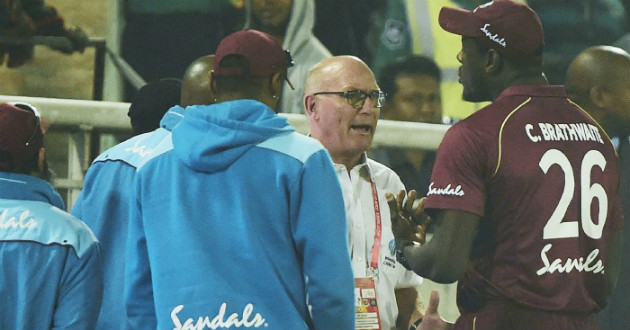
293, 144
139, 149
43, 223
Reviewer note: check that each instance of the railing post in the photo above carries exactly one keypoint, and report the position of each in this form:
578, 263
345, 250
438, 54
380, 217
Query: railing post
99, 67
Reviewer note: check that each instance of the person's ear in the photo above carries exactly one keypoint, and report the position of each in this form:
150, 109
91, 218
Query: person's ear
277, 82
599, 97
494, 62
310, 106
41, 156
213, 85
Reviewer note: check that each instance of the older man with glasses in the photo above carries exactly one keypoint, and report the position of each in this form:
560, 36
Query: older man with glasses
343, 102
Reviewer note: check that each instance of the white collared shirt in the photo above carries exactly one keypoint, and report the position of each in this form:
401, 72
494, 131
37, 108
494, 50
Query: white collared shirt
357, 194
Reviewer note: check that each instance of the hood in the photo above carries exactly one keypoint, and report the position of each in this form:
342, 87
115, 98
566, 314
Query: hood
306, 50
300, 27
212, 137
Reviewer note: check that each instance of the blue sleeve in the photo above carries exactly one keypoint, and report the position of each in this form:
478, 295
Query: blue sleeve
77, 207
138, 291
80, 292
321, 237
88, 188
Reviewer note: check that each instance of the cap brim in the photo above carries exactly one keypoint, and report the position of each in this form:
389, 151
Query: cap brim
460, 21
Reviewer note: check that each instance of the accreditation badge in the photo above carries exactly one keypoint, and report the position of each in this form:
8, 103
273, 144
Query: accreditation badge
367, 316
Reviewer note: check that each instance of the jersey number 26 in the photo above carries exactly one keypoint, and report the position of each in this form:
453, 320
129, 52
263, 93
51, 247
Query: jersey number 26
555, 227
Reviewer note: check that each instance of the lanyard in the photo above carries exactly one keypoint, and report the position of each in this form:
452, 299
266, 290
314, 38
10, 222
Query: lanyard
376, 248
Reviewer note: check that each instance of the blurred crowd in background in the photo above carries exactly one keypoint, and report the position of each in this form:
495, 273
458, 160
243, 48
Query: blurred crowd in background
160, 38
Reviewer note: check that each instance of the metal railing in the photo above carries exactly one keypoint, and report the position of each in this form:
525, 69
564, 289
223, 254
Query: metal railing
80, 121
97, 43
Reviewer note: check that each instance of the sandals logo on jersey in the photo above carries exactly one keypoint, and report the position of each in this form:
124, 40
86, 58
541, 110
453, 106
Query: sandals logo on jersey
219, 321
23, 222
590, 264
140, 149
448, 190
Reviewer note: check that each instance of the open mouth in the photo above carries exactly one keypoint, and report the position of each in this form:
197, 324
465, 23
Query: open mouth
363, 129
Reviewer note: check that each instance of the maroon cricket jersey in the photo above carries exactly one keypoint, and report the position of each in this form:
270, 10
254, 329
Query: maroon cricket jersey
544, 177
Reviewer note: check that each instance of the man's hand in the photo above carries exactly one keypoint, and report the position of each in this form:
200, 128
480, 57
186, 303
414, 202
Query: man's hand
78, 38
409, 222
431, 319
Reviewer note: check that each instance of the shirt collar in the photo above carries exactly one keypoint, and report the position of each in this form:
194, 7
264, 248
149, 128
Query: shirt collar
534, 90
363, 167
26, 187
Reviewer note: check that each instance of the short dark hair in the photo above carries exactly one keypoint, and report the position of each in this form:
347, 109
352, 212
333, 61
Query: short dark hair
410, 65
26, 167
151, 102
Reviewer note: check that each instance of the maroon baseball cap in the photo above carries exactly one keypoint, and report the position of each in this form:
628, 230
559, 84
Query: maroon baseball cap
263, 53
20, 132
511, 28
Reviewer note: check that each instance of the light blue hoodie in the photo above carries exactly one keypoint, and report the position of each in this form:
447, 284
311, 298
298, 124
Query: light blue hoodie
238, 226
50, 263
104, 206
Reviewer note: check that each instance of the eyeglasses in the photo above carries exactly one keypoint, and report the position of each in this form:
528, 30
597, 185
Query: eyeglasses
31, 108
357, 98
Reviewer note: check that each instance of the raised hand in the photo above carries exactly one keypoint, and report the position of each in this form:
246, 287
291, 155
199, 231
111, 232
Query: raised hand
409, 222
78, 38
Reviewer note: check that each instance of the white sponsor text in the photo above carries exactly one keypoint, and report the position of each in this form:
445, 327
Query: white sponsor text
493, 37
448, 190
12, 222
581, 265
219, 321
141, 150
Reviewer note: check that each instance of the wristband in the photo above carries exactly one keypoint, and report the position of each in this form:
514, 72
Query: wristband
415, 325
401, 244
